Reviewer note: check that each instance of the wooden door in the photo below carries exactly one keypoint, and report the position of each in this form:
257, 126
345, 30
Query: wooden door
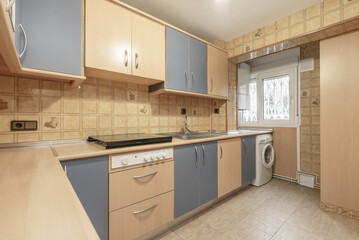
53, 31
229, 165
89, 178
148, 48
248, 159
108, 37
208, 173
176, 60
197, 66
187, 159
339, 114
217, 72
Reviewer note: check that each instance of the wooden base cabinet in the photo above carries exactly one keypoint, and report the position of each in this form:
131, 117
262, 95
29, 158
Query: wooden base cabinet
195, 176
134, 185
135, 220
89, 178
229, 165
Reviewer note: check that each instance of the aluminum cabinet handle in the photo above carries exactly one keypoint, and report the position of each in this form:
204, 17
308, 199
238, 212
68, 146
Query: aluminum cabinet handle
126, 58
221, 151
147, 209
204, 155
195, 148
147, 175
245, 147
25, 38
65, 169
186, 79
192, 79
9, 5
211, 84
136, 61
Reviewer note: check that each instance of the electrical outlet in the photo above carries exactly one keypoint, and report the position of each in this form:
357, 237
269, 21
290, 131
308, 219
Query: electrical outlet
23, 125
183, 111
216, 111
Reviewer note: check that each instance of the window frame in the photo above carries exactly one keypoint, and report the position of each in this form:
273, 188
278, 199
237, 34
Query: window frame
292, 71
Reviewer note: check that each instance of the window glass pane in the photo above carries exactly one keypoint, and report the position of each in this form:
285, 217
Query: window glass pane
251, 115
276, 98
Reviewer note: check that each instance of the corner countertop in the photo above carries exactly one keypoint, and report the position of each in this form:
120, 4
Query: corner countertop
38, 201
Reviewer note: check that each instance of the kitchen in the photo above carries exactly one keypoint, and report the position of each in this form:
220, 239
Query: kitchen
187, 139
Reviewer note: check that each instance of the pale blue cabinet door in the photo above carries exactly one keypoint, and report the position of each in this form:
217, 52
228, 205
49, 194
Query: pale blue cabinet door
176, 60
186, 179
198, 65
53, 30
89, 178
248, 159
208, 183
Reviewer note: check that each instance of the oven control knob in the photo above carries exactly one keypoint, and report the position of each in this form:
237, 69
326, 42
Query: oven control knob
158, 157
146, 159
164, 155
125, 161
152, 158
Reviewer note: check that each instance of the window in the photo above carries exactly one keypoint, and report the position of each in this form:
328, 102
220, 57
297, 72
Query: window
271, 99
276, 98
251, 115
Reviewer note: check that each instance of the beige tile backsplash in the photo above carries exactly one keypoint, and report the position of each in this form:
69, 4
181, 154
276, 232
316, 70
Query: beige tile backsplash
98, 107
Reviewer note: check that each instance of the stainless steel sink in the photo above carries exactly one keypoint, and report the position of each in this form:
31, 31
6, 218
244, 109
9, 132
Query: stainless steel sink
196, 134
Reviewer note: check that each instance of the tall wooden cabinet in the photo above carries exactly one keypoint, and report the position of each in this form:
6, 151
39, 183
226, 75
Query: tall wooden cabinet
229, 165
339, 128
119, 41
217, 62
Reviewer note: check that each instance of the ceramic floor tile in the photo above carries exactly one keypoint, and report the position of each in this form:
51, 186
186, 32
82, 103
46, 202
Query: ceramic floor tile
169, 236
263, 222
198, 230
277, 210
342, 232
289, 232
218, 219
239, 230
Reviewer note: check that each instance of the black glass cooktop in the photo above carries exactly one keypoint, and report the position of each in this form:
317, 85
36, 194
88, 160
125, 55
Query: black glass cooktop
126, 140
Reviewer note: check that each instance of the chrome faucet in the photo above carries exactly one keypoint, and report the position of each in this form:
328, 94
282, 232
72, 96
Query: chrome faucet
187, 131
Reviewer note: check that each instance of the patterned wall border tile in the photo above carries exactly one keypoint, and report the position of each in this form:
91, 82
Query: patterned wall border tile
339, 210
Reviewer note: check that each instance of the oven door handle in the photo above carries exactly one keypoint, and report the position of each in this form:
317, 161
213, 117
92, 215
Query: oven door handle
147, 175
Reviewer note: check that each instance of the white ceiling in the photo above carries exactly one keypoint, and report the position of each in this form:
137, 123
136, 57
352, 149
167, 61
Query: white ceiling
220, 19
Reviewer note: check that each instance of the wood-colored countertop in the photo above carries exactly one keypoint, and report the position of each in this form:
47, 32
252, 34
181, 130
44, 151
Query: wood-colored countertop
86, 150
37, 199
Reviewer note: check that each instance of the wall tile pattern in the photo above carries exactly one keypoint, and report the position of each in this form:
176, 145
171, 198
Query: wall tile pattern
98, 107
310, 112
310, 19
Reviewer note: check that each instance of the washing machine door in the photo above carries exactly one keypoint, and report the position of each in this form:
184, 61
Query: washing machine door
268, 155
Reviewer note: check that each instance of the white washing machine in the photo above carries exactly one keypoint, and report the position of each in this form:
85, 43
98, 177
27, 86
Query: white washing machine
264, 159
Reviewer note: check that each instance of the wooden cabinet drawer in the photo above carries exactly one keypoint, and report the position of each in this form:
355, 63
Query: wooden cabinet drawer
131, 186
138, 219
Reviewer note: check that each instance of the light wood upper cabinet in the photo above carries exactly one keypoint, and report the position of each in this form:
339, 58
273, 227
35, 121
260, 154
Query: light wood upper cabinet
148, 48
105, 47
229, 165
108, 37
217, 61
123, 45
